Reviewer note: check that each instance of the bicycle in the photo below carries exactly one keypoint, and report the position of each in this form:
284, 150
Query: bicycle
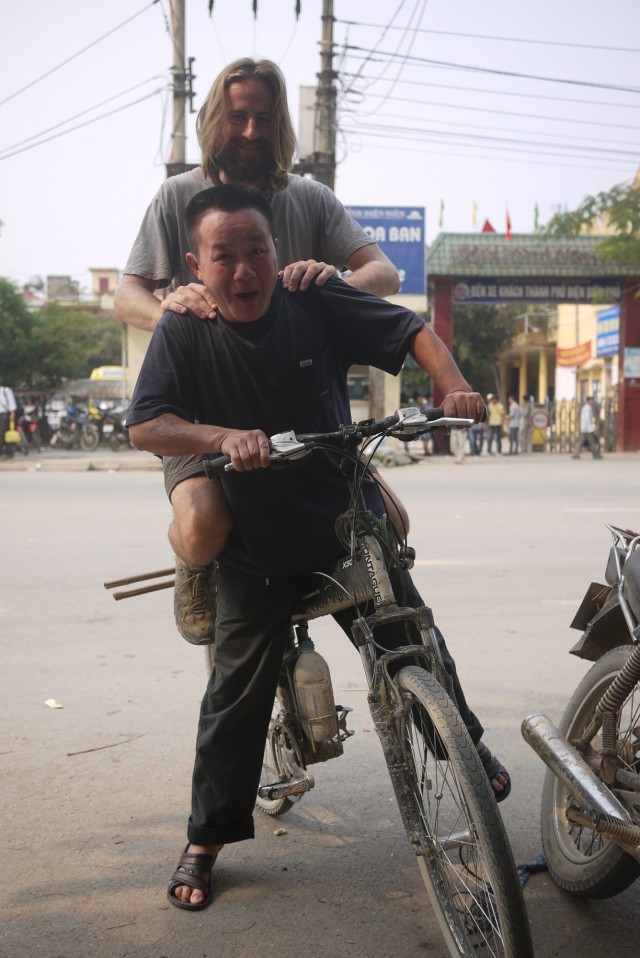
445, 799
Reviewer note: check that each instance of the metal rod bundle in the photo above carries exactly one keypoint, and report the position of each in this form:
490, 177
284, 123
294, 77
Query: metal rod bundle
155, 587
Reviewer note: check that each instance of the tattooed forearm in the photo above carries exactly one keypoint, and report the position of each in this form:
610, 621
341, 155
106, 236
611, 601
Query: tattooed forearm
169, 427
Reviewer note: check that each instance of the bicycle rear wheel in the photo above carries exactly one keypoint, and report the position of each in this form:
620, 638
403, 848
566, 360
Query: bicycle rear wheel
465, 858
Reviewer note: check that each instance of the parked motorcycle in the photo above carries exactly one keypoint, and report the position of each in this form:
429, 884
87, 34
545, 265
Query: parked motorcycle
114, 430
76, 431
591, 796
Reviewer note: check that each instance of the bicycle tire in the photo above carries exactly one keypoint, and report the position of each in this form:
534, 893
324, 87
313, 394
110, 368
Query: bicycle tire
465, 858
581, 861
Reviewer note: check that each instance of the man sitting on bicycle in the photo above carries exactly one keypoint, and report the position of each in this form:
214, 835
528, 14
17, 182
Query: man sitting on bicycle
272, 362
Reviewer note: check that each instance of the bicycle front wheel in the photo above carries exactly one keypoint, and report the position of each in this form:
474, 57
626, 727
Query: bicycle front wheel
464, 856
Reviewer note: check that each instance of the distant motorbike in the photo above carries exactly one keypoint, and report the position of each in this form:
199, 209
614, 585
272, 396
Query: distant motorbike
21, 445
76, 431
591, 796
114, 430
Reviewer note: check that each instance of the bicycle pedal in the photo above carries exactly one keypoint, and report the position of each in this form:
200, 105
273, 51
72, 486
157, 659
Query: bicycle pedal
279, 790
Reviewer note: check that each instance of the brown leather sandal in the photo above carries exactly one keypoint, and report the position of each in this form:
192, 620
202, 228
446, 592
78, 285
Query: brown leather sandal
191, 871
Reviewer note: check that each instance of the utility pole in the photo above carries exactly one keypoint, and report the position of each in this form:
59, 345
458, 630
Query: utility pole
182, 90
321, 163
326, 103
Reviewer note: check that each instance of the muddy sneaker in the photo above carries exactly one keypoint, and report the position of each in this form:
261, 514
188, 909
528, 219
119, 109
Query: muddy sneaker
194, 601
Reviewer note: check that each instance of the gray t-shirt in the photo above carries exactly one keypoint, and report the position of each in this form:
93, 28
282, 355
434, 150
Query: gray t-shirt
310, 223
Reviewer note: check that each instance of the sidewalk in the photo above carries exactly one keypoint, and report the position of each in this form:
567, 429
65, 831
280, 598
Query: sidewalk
52, 459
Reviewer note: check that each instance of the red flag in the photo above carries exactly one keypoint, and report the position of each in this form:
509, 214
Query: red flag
509, 235
487, 228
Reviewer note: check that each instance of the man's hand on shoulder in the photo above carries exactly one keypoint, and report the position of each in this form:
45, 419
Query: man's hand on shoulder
301, 275
193, 297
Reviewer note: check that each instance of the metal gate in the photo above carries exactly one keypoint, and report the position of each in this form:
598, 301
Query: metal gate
564, 419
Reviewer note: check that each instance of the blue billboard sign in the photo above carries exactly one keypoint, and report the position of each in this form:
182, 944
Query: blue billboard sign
608, 331
399, 231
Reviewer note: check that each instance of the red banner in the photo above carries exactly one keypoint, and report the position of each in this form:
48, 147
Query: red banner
574, 355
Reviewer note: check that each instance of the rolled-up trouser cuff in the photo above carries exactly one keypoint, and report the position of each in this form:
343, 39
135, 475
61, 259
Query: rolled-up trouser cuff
225, 835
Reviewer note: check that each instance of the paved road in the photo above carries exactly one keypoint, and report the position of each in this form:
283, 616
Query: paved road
95, 794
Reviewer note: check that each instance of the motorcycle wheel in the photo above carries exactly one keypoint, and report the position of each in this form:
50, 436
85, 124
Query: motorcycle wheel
116, 442
89, 438
581, 861
63, 437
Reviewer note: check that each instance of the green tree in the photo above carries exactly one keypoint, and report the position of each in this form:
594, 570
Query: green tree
40, 350
16, 324
618, 208
479, 334
69, 343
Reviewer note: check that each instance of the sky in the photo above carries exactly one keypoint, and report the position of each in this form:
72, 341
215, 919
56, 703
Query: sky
468, 109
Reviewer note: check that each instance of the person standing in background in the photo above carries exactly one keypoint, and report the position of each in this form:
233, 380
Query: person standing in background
514, 418
8, 406
587, 431
526, 424
496, 422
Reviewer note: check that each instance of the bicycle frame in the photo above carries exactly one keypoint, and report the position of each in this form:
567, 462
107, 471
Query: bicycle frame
362, 577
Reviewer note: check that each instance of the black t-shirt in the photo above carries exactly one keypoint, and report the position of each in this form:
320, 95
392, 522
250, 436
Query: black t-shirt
285, 371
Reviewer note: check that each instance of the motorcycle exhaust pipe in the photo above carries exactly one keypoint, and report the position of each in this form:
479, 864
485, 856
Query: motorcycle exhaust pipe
605, 812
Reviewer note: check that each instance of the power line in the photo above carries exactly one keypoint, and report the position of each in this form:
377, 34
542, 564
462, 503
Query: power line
6, 156
70, 119
76, 55
481, 109
501, 142
471, 89
508, 73
383, 144
486, 36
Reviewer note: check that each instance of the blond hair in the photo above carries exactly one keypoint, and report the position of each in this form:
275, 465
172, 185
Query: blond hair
212, 117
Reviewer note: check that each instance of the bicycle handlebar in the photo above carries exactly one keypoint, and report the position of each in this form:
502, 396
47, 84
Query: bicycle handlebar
407, 422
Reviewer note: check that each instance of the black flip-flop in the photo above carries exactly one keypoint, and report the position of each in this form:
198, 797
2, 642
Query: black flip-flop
190, 871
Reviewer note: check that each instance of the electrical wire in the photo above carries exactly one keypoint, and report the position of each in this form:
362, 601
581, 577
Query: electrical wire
76, 116
501, 142
356, 118
512, 93
405, 56
76, 55
508, 73
519, 114
382, 143
485, 36
6, 156
612, 166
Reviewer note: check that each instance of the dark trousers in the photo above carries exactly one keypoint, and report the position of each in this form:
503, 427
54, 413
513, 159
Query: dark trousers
252, 627
495, 432
588, 439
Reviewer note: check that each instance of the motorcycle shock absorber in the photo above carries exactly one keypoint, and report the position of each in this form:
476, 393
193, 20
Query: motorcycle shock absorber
622, 685
607, 708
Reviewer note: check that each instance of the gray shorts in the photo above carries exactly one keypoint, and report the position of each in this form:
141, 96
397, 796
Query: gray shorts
178, 468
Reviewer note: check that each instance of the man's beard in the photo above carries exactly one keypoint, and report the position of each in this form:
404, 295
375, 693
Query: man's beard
257, 165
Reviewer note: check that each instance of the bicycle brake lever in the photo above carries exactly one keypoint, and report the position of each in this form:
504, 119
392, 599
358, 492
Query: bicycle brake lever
286, 447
